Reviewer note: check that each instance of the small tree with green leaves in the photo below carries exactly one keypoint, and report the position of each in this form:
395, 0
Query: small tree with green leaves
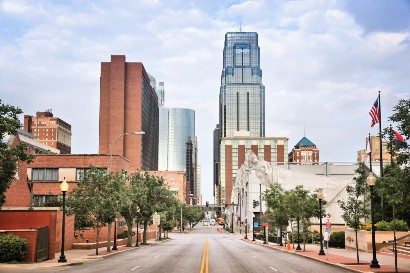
277, 210
354, 209
10, 155
95, 200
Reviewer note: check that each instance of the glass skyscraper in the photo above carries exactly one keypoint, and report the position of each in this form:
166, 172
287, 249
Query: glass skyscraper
176, 128
242, 94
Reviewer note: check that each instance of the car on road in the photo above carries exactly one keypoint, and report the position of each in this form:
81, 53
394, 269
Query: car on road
220, 221
212, 222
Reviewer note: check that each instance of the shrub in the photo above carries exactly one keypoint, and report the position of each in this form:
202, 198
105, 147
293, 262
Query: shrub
337, 239
401, 225
12, 248
367, 227
383, 226
124, 235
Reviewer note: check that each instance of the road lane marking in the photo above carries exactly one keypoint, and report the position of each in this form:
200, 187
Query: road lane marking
135, 268
272, 268
156, 256
254, 257
204, 264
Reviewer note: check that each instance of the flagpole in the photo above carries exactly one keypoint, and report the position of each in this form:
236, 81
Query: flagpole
381, 151
391, 146
370, 155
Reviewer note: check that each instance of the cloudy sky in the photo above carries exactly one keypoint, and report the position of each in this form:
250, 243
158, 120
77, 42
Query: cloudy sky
323, 62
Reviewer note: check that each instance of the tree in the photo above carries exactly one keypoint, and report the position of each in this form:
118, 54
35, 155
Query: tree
95, 200
132, 197
354, 209
277, 211
158, 198
301, 207
401, 117
10, 155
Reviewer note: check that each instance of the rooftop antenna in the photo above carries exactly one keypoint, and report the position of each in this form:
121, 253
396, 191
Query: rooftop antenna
240, 26
304, 130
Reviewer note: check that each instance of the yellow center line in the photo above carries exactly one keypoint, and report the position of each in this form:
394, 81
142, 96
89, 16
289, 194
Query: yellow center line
204, 264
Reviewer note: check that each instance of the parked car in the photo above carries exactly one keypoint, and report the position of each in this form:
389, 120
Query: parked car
212, 222
220, 221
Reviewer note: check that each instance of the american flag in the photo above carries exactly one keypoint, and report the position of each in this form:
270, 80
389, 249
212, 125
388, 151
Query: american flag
375, 112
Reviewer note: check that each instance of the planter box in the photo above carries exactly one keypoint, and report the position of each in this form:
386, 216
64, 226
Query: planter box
365, 239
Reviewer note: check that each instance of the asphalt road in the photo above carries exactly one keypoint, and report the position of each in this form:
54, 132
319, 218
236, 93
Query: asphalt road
202, 250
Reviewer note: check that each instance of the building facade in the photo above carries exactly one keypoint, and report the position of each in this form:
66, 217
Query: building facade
128, 103
233, 153
304, 152
177, 149
49, 130
375, 148
242, 94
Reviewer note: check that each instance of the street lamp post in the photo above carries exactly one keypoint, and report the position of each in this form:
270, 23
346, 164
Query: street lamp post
320, 197
64, 189
298, 247
114, 247
246, 228
115, 140
371, 181
232, 216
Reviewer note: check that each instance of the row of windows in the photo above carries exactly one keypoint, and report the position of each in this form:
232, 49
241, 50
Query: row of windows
51, 174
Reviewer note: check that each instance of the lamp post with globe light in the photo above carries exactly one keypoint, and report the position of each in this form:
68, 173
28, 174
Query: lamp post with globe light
64, 189
320, 197
371, 181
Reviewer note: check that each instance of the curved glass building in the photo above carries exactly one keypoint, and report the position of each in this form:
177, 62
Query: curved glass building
176, 133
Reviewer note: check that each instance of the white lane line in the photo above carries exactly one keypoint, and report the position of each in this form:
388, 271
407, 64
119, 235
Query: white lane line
135, 268
254, 257
156, 256
272, 268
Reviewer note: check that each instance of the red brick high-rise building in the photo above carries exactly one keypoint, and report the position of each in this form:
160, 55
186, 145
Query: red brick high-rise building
49, 130
128, 104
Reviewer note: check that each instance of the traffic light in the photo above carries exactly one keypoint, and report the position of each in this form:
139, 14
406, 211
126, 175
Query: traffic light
255, 203
207, 204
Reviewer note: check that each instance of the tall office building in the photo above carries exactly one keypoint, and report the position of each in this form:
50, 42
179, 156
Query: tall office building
128, 103
242, 94
176, 128
241, 114
49, 130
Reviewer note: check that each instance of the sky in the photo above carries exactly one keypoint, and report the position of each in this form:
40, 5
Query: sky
323, 63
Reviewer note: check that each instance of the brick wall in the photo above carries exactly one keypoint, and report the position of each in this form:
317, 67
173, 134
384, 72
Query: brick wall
31, 236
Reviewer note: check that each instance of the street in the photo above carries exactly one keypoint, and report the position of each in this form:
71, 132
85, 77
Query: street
192, 254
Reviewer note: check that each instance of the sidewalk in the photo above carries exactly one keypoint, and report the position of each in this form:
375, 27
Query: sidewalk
78, 256
346, 258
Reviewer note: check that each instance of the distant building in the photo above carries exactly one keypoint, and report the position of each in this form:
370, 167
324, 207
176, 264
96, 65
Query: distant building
375, 148
159, 90
304, 152
128, 103
49, 130
177, 150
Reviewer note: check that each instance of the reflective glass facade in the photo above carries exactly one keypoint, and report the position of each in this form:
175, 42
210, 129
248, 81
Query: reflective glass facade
176, 128
242, 94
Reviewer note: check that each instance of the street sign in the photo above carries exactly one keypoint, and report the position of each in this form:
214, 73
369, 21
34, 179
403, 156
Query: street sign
328, 225
156, 219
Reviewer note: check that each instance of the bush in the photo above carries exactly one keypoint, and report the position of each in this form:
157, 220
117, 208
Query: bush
383, 226
124, 235
12, 248
401, 225
337, 239
367, 227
